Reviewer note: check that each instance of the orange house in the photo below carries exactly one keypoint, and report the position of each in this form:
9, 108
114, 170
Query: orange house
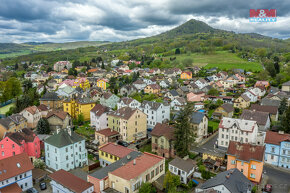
186, 75
247, 158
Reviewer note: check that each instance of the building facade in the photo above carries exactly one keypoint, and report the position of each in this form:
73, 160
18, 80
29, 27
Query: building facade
77, 106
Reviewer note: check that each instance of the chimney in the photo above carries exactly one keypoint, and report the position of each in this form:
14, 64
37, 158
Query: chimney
281, 132
186, 157
128, 157
57, 130
69, 130
134, 162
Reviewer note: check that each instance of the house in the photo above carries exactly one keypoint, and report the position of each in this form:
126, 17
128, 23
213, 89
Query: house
65, 150
262, 118
286, 86
199, 122
102, 83
60, 65
178, 103
182, 91
43, 109
247, 158
110, 153
156, 112
128, 102
242, 102
258, 91
277, 151
231, 181
106, 135
16, 174
192, 87
128, 173
66, 91
63, 181
162, 140
186, 75
58, 119
127, 90
272, 110
139, 84
252, 96
79, 105
51, 100
164, 83
262, 83
32, 115
195, 97
109, 100
270, 102
183, 168
14, 143
172, 94
99, 116
226, 110
130, 123
201, 83
244, 131
152, 89
12, 123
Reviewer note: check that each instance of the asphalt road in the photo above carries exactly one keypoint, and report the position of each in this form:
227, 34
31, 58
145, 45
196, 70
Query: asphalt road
279, 179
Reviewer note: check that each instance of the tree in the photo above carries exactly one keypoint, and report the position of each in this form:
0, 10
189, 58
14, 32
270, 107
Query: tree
171, 182
184, 132
269, 65
103, 65
213, 92
285, 121
25, 66
43, 126
39, 163
16, 66
147, 188
81, 119
283, 106
177, 51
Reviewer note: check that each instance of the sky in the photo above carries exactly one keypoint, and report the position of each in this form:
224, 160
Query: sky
121, 20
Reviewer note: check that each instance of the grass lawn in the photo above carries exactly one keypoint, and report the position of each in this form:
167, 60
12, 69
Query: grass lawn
221, 59
210, 112
214, 125
146, 148
85, 130
6, 108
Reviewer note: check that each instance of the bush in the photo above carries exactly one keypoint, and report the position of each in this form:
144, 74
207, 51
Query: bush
39, 163
192, 155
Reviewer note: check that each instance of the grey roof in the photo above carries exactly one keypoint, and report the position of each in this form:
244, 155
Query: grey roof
173, 92
260, 117
196, 117
232, 179
228, 107
286, 83
15, 118
270, 102
184, 89
49, 96
185, 165
103, 172
152, 104
63, 138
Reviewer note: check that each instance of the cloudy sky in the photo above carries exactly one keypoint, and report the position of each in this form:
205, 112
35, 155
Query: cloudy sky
119, 20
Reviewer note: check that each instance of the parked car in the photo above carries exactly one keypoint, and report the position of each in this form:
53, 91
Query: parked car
32, 190
123, 143
267, 188
42, 186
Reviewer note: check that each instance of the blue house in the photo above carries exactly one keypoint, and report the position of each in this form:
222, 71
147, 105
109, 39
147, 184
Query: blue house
277, 149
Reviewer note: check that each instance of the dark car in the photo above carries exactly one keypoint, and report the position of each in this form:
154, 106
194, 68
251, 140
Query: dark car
42, 186
32, 190
123, 143
267, 188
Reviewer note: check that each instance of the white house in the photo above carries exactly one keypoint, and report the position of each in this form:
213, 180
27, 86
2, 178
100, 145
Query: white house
139, 84
258, 91
156, 112
183, 168
98, 117
16, 173
201, 83
65, 182
32, 114
128, 102
65, 150
252, 96
244, 131
178, 103
164, 83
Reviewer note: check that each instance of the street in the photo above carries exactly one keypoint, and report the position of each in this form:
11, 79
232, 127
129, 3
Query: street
279, 179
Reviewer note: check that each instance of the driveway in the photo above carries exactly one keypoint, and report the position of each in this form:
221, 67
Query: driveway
278, 178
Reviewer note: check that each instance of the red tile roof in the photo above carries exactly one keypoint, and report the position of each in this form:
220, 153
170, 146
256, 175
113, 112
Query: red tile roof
58, 113
143, 163
107, 132
163, 130
188, 72
116, 150
276, 138
32, 109
13, 188
15, 165
245, 151
70, 181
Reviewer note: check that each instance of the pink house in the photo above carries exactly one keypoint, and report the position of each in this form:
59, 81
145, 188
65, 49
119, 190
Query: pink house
24, 140
195, 97
241, 78
262, 83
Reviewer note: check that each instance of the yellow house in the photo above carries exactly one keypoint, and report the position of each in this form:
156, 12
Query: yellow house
247, 158
78, 106
226, 110
130, 123
102, 84
81, 82
12, 123
110, 152
186, 75
242, 102
152, 89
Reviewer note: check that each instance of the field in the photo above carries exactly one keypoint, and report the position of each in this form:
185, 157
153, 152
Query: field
221, 59
6, 108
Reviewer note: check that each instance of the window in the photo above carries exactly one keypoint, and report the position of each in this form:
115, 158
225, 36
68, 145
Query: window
147, 177
157, 171
284, 151
253, 176
242, 163
66, 149
13, 146
272, 157
233, 162
152, 174
2, 153
222, 135
242, 170
253, 166
161, 167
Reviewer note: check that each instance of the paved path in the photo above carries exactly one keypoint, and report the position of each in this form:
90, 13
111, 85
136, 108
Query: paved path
279, 179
